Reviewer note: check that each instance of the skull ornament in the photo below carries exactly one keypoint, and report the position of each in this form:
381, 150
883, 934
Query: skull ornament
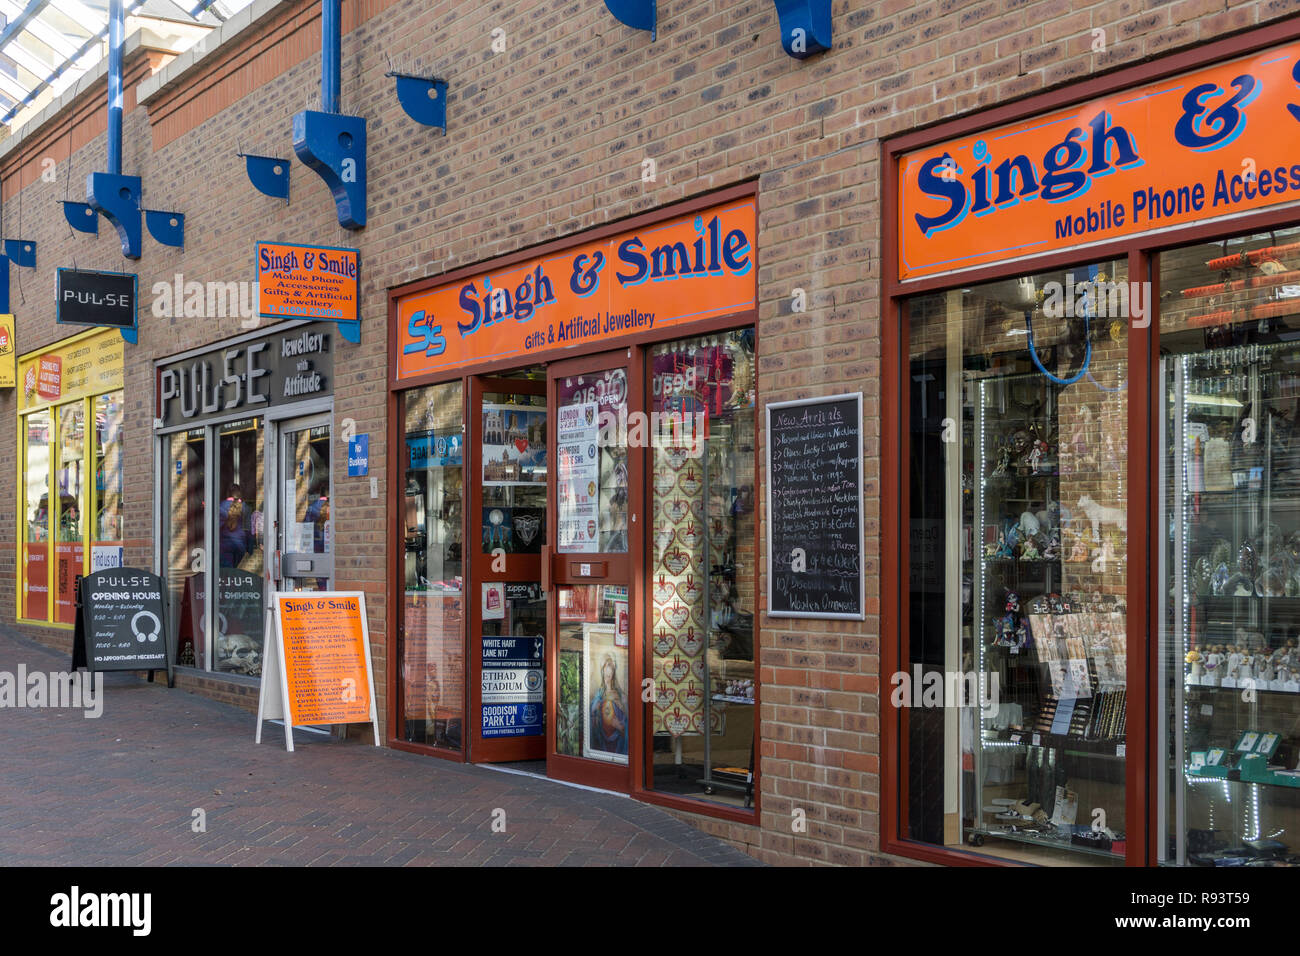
239, 654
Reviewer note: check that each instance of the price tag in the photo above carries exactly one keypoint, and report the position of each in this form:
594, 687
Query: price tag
1037, 740
1121, 750
584, 570
1206, 710
1015, 738
1015, 650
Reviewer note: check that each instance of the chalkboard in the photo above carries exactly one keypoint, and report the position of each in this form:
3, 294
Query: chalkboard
121, 623
814, 508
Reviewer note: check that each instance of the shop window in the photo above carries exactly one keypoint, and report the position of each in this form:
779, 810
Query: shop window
432, 700
69, 547
36, 538
240, 540
66, 502
186, 563
1229, 788
702, 565
1014, 675
108, 532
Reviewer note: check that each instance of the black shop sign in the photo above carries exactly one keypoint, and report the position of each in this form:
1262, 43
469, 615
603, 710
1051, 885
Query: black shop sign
814, 508
250, 376
96, 298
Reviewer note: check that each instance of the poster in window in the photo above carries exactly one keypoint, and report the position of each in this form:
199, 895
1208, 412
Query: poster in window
514, 445
604, 695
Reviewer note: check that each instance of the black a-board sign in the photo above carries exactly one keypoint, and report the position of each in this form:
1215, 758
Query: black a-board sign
121, 623
814, 508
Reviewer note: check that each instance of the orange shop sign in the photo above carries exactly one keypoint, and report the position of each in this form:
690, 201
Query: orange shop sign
1204, 145
697, 266
308, 282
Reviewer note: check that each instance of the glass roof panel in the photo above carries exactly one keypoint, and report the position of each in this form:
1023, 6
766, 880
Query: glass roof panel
46, 46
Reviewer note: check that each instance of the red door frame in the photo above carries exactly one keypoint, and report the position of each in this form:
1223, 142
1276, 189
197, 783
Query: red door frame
479, 571
615, 569
1141, 771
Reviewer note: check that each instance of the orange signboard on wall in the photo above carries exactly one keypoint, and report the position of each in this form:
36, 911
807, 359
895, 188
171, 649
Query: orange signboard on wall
696, 266
324, 658
1204, 145
308, 282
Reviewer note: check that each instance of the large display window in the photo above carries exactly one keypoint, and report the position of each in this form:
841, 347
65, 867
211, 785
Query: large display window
1019, 557
70, 491
1230, 482
1091, 632
432, 636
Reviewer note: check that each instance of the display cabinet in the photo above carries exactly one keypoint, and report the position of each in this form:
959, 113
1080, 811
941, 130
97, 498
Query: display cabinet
1047, 625
1231, 667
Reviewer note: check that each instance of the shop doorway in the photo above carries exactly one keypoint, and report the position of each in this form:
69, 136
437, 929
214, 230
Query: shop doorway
597, 724
506, 600
304, 524
548, 596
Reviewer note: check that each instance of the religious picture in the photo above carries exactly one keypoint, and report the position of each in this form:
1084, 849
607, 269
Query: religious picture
605, 695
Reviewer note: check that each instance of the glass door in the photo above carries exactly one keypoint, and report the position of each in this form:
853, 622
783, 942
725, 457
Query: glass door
305, 527
506, 602
595, 736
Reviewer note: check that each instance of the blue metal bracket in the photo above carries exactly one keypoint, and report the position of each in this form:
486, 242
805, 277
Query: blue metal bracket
351, 331
334, 145
805, 26
269, 175
130, 336
81, 217
118, 198
167, 227
424, 98
21, 252
637, 14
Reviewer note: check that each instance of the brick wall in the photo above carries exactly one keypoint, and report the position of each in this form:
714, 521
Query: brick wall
546, 139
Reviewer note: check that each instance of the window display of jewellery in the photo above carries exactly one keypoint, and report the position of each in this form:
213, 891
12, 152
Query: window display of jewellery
1048, 764
1231, 649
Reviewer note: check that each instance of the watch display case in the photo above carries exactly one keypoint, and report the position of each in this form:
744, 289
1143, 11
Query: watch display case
1230, 605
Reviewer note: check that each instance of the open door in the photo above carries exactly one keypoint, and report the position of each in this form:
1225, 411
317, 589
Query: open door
507, 605
594, 672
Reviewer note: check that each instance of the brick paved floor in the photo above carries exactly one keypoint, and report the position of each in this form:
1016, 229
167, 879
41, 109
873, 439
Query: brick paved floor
121, 790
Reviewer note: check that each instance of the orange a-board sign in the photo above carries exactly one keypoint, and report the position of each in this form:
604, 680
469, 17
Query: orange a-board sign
1208, 144
317, 670
697, 266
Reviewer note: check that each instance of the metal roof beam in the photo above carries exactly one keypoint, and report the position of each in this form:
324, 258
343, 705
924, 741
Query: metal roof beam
66, 65
40, 30
15, 27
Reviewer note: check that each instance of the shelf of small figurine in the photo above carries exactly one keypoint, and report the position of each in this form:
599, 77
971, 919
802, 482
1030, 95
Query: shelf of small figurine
1241, 686
1078, 746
